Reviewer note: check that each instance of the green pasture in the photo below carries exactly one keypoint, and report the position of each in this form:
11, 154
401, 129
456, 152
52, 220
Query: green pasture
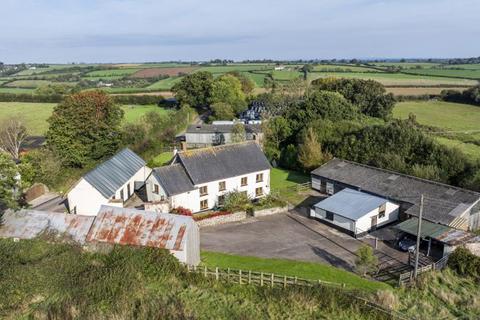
342, 68
448, 72
112, 72
164, 84
16, 90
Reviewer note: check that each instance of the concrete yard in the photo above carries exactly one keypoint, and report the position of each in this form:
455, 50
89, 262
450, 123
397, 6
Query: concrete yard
291, 236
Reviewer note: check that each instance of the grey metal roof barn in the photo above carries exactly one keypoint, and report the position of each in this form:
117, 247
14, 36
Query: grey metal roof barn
443, 203
110, 175
351, 204
221, 128
28, 224
220, 162
173, 179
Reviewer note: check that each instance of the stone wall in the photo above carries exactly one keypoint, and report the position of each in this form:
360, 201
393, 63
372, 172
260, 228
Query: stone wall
236, 216
270, 211
161, 207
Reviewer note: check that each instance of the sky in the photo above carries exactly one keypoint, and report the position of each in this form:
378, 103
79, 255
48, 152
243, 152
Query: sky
65, 31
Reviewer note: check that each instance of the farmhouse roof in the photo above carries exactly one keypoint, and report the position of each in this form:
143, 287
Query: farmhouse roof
221, 128
110, 175
28, 224
351, 204
443, 203
173, 179
220, 162
134, 227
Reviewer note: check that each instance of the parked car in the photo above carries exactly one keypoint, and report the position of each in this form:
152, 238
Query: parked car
407, 243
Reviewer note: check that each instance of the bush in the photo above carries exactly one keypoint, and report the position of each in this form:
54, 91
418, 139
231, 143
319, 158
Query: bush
270, 201
464, 263
211, 215
237, 201
366, 260
182, 211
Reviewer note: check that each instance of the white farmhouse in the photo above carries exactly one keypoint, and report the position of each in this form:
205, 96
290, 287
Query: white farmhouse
112, 182
355, 212
199, 179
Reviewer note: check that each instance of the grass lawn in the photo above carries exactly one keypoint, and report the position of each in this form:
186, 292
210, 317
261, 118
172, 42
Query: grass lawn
469, 149
165, 83
306, 270
446, 115
161, 159
284, 181
35, 115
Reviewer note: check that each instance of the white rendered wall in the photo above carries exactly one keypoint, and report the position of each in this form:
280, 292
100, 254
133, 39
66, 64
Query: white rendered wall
365, 222
85, 198
140, 175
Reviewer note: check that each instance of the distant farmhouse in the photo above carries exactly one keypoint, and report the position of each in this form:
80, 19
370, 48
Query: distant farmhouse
254, 113
112, 182
443, 204
110, 226
199, 179
204, 135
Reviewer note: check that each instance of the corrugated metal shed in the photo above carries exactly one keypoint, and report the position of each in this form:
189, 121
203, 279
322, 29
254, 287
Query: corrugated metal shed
110, 175
436, 231
173, 179
28, 224
222, 128
139, 228
443, 203
351, 204
217, 163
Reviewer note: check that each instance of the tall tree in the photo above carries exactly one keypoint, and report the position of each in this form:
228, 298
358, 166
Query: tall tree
276, 131
8, 184
228, 89
247, 84
12, 134
238, 132
310, 154
85, 127
222, 111
194, 89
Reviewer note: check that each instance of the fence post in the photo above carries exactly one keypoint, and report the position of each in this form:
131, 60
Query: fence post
272, 279
295, 280
284, 281
216, 274
240, 277
261, 279
249, 277
228, 274
205, 271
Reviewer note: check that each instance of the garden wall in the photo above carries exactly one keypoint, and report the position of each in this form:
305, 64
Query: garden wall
236, 216
270, 211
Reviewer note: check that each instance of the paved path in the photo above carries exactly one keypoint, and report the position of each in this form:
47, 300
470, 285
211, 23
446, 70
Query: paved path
289, 236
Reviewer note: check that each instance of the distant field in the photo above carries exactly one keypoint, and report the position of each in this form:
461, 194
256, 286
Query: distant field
474, 66
406, 65
414, 91
112, 72
155, 72
470, 73
449, 116
224, 69
164, 84
347, 68
393, 79
28, 83
35, 115
16, 90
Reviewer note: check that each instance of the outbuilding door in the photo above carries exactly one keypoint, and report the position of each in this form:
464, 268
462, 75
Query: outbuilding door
374, 222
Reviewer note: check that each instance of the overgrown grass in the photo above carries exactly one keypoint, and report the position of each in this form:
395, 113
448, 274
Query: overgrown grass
161, 159
41, 280
301, 269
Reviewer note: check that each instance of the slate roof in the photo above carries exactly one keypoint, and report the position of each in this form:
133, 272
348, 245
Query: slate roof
443, 203
174, 179
134, 227
351, 204
110, 175
221, 128
220, 162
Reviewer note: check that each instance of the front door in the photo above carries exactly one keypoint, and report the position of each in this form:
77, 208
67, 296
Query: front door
374, 222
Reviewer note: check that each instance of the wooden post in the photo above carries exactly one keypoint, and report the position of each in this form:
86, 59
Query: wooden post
194, 268
249, 277
284, 281
295, 280
216, 274
240, 277
228, 274
419, 234
272, 279
205, 271
261, 279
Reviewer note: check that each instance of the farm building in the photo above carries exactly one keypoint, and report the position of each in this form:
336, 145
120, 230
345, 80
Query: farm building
443, 204
204, 135
112, 225
112, 182
199, 179
178, 234
355, 212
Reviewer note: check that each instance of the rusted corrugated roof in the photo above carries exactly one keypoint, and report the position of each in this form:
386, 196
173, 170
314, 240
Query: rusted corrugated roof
139, 228
28, 224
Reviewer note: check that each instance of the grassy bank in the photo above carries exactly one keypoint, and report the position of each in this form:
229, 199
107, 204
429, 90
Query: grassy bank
306, 270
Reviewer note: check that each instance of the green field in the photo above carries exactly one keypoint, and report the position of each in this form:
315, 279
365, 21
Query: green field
305, 270
112, 72
17, 90
35, 115
463, 119
406, 65
238, 67
28, 83
342, 68
448, 72
164, 84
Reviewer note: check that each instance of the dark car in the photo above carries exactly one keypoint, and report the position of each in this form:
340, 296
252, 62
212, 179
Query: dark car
407, 243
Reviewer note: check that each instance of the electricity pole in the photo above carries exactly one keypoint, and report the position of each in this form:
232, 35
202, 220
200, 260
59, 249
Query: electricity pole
419, 232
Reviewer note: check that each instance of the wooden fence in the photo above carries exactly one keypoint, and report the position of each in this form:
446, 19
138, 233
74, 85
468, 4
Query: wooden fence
272, 280
407, 277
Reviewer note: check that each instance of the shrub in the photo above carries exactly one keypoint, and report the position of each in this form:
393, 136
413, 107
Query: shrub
464, 262
182, 211
366, 260
270, 201
211, 215
237, 201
